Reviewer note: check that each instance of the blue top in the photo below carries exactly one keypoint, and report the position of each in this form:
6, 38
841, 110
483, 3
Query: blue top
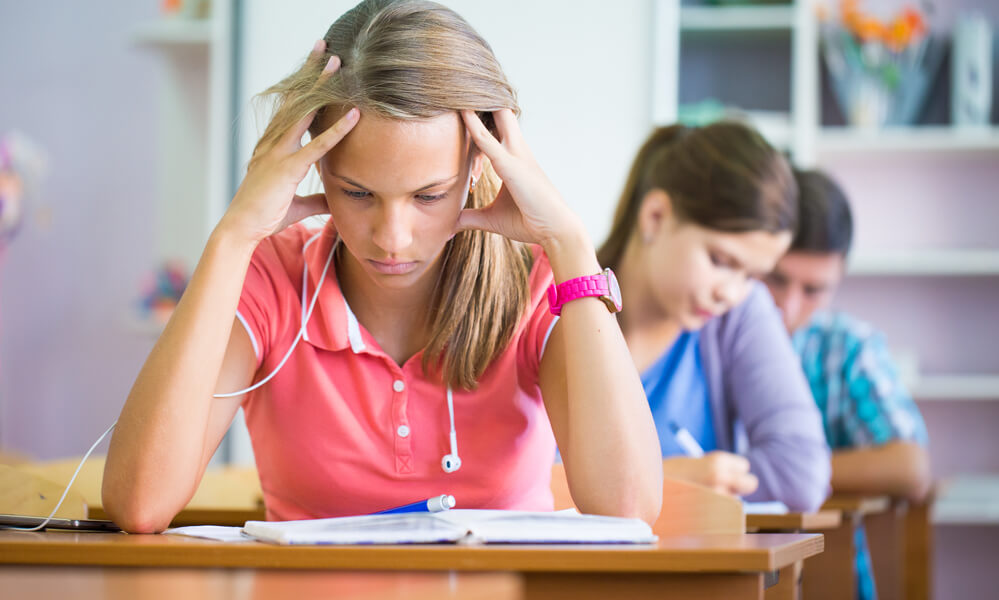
678, 393
761, 406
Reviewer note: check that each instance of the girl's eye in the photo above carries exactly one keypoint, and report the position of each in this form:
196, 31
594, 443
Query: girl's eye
431, 198
355, 193
717, 260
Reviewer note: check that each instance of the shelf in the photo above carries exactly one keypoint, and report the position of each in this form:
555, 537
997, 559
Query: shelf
176, 31
775, 127
736, 18
144, 326
967, 500
942, 138
956, 387
925, 262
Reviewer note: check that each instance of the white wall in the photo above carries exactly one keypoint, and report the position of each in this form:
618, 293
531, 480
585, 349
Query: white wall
582, 70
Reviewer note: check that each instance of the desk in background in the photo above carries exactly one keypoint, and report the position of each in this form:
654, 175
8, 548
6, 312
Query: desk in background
789, 584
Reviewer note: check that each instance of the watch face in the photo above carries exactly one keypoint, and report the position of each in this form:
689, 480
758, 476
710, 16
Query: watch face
615, 289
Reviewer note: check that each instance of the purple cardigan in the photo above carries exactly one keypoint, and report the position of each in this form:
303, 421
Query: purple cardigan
761, 403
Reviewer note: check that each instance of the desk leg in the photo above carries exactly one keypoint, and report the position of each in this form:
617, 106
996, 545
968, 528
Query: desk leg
788, 585
641, 586
917, 574
885, 540
830, 574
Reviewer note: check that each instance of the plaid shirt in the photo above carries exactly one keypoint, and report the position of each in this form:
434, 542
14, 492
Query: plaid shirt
863, 403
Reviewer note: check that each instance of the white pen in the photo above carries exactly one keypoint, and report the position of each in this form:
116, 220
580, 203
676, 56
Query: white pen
686, 441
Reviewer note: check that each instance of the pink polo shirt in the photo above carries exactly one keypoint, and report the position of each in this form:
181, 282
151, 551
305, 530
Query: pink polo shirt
344, 430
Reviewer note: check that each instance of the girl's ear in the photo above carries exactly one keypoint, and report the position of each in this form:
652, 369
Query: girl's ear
477, 164
655, 215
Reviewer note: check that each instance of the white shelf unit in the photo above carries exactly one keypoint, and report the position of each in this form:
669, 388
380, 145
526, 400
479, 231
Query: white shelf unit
793, 131
194, 127
927, 138
941, 262
774, 126
176, 31
736, 18
968, 500
145, 326
956, 387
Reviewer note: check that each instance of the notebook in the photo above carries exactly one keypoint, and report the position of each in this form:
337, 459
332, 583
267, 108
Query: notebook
457, 526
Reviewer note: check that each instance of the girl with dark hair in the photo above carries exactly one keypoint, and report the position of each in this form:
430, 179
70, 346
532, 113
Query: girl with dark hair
705, 212
876, 432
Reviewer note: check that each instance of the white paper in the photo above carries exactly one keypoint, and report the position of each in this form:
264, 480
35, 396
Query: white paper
764, 508
212, 532
485, 526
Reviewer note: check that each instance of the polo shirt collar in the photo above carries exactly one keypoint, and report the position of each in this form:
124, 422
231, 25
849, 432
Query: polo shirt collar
332, 325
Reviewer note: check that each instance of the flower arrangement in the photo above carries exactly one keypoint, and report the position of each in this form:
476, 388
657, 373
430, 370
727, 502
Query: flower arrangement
881, 69
21, 166
162, 289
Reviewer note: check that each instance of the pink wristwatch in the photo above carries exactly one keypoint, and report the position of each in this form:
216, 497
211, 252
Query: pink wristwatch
603, 285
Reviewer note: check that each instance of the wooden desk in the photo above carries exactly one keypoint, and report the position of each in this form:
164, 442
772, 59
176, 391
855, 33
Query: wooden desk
794, 522
831, 575
707, 566
230, 517
789, 583
150, 583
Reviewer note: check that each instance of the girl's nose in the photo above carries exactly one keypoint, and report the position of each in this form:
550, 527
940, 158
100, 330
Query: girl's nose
393, 232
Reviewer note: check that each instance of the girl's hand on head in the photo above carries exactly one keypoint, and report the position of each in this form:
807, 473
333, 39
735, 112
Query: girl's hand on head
265, 202
528, 208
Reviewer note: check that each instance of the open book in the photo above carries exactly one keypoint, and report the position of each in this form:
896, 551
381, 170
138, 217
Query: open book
461, 526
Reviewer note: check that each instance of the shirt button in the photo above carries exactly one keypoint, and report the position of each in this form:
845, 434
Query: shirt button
398, 385
403, 431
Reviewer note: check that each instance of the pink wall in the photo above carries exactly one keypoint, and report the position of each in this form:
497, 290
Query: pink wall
75, 84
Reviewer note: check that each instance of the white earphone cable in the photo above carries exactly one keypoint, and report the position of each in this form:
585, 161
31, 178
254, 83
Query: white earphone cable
68, 485
301, 332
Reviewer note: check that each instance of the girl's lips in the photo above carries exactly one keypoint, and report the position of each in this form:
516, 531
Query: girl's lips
704, 314
392, 268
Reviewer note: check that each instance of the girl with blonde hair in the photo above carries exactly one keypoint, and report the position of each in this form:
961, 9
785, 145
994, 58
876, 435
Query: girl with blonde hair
410, 347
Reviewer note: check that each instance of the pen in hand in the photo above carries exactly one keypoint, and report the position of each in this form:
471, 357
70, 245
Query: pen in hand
435, 504
686, 441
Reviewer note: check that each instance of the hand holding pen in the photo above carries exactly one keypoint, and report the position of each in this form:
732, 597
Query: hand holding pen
721, 471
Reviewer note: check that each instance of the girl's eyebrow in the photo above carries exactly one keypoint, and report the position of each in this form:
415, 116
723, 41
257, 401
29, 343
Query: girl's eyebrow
731, 258
738, 264
426, 187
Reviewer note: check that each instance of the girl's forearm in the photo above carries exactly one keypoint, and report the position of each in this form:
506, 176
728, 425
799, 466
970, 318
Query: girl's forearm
158, 448
614, 454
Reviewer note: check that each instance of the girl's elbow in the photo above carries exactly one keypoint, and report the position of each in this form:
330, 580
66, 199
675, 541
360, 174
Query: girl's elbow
132, 514
810, 491
648, 500
647, 506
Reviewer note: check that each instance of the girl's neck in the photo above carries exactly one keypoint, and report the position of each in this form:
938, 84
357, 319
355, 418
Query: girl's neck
397, 318
648, 329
